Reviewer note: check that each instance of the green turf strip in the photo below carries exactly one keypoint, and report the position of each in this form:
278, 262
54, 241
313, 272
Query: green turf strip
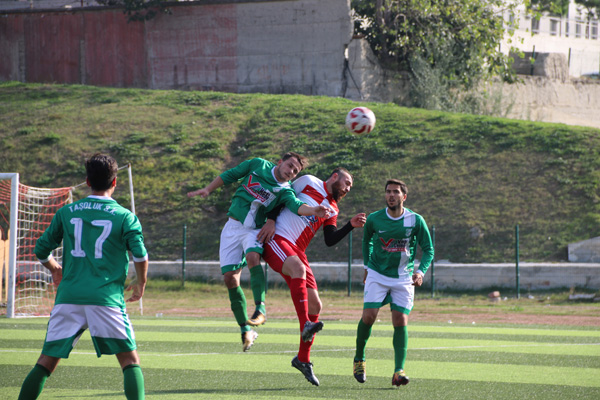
175, 348
206, 362
375, 341
269, 338
217, 325
105, 383
551, 375
441, 356
331, 330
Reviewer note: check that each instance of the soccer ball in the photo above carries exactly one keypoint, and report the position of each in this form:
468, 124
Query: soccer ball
360, 120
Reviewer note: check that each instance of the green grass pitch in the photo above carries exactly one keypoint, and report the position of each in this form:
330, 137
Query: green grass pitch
203, 359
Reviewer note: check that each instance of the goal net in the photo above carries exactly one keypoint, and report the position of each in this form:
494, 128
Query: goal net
25, 213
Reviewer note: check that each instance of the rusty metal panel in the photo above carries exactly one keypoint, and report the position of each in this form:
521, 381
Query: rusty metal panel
113, 50
12, 62
195, 48
52, 47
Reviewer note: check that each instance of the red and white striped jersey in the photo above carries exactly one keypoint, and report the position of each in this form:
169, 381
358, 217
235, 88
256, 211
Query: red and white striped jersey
301, 229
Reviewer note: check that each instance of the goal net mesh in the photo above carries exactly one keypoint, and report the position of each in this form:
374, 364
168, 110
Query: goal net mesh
34, 290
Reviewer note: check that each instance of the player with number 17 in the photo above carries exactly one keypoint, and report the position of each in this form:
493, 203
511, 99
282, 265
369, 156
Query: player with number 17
97, 234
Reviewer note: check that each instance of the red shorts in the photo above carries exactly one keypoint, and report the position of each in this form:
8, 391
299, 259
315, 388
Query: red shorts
277, 250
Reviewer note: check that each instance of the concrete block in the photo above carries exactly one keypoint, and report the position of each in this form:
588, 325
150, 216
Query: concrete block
550, 65
585, 251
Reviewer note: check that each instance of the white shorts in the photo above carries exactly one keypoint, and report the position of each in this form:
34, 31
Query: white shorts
236, 241
381, 290
109, 327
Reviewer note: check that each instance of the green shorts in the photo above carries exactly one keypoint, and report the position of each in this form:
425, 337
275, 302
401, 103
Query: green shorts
109, 327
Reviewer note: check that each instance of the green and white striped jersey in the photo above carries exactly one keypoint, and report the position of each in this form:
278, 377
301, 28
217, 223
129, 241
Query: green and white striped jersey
258, 193
96, 233
390, 244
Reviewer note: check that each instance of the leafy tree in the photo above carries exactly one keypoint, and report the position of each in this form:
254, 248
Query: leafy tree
458, 41
561, 7
556, 7
592, 7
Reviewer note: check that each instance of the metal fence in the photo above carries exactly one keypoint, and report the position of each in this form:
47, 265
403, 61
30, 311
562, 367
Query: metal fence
511, 276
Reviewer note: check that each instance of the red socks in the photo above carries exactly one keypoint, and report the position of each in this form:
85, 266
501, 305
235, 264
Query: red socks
300, 299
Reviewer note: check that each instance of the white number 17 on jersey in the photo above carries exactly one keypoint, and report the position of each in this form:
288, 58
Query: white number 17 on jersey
78, 223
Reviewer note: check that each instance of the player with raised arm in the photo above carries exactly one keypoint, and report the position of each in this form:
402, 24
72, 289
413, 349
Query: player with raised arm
286, 253
264, 186
390, 240
97, 234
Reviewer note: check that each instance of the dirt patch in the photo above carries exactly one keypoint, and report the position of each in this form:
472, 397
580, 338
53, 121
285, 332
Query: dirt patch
507, 318
462, 317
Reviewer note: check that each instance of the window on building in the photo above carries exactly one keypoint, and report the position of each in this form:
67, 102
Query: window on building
535, 25
595, 30
511, 20
587, 31
578, 29
567, 29
554, 27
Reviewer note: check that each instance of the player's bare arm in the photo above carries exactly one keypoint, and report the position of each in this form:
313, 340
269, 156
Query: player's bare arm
365, 276
319, 211
138, 285
358, 221
55, 269
205, 191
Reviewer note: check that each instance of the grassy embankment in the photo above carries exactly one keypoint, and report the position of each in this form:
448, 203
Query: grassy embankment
473, 177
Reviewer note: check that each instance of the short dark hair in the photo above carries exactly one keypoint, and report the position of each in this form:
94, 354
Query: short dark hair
301, 159
403, 186
338, 170
101, 170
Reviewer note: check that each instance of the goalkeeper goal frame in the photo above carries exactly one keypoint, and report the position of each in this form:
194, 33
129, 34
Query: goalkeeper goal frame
12, 247
14, 241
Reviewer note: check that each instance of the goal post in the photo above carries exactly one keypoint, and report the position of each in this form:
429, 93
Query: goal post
25, 213
27, 290
10, 257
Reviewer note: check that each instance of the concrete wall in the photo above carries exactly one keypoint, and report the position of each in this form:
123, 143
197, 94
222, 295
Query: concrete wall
367, 81
283, 46
236, 46
573, 102
533, 276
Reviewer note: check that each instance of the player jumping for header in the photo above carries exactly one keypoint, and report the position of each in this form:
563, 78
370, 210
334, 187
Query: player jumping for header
264, 186
286, 253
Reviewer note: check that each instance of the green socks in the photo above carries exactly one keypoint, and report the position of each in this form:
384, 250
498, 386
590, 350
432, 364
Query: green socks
34, 383
257, 282
400, 346
133, 382
238, 305
363, 332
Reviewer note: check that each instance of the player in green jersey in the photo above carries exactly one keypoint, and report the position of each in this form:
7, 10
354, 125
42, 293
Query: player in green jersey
264, 185
96, 233
390, 240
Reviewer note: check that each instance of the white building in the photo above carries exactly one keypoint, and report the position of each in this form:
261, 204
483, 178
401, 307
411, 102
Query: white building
574, 35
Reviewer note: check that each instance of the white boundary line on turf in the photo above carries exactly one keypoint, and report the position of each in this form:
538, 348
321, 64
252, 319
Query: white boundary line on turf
351, 349
505, 346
